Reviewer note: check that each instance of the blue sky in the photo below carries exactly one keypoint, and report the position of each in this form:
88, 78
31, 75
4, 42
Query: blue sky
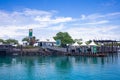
86, 19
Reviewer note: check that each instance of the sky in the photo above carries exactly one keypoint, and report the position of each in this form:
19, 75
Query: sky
82, 19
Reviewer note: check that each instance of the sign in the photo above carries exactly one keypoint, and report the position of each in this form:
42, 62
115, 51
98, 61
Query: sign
58, 42
30, 32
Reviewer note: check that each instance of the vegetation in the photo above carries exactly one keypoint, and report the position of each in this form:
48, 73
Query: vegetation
9, 41
64, 37
1, 41
30, 41
79, 41
88, 42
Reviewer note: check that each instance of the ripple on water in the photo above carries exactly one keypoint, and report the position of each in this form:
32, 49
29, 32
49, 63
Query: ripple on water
60, 68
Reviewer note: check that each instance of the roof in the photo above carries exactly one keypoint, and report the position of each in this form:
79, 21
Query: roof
92, 44
75, 44
105, 41
47, 40
83, 44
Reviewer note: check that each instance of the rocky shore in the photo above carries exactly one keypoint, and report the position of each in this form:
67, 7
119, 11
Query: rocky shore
36, 52
48, 52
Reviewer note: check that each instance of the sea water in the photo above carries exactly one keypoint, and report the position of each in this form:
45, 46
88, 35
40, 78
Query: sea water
60, 68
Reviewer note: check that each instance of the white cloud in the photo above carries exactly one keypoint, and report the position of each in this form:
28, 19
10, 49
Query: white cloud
53, 21
88, 33
62, 19
97, 15
46, 24
83, 17
57, 28
113, 14
92, 16
34, 12
10, 32
16, 23
96, 22
43, 19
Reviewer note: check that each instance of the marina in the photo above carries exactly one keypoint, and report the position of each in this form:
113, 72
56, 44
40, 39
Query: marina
74, 50
59, 39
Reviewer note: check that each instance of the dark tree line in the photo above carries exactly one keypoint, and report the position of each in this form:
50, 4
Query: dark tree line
9, 41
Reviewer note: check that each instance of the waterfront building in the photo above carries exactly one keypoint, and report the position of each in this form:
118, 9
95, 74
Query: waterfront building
84, 47
46, 43
93, 47
6, 49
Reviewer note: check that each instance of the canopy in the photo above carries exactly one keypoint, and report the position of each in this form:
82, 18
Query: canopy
83, 44
75, 44
47, 40
43, 40
92, 44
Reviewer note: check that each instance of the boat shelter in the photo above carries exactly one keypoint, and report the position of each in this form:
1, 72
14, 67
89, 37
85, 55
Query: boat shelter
93, 47
107, 46
75, 44
83, 47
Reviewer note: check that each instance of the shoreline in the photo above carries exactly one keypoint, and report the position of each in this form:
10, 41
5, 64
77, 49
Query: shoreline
38, 51
48, 52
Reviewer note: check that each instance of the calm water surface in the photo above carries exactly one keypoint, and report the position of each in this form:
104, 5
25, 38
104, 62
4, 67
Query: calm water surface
60, 68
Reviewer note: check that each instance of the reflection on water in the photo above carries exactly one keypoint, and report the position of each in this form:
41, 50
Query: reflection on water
62, 61
97, 60
54, 67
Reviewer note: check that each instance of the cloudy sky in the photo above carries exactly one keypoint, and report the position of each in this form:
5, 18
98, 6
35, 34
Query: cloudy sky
86, 19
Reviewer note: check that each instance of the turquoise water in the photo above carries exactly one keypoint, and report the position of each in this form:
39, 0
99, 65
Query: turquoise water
60, 68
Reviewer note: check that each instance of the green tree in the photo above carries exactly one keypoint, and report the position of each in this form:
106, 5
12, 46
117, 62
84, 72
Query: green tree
79, 41
1, 41
64, 37
11, 41
31, 41
88, 42
26, 39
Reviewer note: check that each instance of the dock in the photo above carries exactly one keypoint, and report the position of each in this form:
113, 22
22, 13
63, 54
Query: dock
94, 51
107, 47
89, 55
58, 52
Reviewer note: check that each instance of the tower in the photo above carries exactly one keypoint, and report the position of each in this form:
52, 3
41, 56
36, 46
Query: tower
30, 36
